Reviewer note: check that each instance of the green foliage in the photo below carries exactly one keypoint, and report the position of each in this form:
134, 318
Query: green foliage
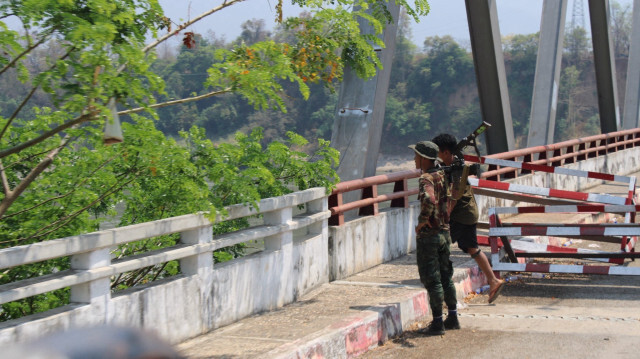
59, 179
520, 53
254, 71
152, 177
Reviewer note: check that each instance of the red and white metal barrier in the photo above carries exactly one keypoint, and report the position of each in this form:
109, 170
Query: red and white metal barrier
547, 192
566, 268
520, 245
626, 233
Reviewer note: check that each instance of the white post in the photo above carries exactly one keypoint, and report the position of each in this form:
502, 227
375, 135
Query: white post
96, 291
282, 240
317, 206
281, 278
200, 264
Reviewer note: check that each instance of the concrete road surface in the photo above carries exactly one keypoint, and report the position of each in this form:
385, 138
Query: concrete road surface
561, 316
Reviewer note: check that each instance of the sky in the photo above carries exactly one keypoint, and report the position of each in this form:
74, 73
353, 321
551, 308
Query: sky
447, 17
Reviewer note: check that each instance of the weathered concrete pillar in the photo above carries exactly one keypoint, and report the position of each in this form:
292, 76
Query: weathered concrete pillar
317, 206
281, 282
357, 129
200, 264
605, 65
488, 60
96, 292
547, 77
631, 117
282, 240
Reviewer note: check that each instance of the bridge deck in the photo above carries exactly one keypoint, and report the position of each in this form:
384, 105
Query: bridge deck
351, 316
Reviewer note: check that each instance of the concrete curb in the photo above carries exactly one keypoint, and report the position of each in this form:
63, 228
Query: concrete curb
372, 327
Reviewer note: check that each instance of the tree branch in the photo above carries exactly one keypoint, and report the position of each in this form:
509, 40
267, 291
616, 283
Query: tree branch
175, 102
64, 220
5, 181
78, 120
29, 157
35, 172
26, 51
225, 4
18, 109
75, 187
26, 99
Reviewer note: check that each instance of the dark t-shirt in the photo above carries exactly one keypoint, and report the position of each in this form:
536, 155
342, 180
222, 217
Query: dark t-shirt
465, 210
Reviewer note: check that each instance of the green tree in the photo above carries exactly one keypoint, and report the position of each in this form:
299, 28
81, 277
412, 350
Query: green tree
573, 112
577, 47
104, 56
520, 55
60, 179
405, 53
621, 28
445, 69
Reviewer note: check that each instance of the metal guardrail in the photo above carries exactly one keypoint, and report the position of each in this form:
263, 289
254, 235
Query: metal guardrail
562, 153
368, 205
557, 154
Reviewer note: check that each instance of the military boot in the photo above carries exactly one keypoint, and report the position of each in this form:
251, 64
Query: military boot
434, 328
451, 322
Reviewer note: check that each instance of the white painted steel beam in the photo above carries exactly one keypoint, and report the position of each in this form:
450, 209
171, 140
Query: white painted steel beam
631, 117
605, 66
357, 128
486, 48
547, 77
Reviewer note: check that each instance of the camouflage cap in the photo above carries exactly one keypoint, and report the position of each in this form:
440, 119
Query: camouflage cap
426, 149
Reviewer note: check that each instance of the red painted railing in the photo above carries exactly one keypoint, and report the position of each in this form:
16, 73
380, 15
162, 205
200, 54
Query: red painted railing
557, 154
369, 203
562, 153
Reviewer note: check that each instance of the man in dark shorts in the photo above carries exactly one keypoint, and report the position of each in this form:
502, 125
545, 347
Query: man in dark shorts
464, 218
433, 240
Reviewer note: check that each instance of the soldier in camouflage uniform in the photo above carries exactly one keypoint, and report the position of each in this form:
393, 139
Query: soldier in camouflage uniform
432, 238
464, 219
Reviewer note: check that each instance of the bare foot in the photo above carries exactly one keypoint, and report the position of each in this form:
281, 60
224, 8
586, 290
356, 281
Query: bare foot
495, 289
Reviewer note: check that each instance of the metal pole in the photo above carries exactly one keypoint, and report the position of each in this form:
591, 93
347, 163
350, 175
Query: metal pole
357, 128
488, 60
605, 66
631, 117
547, 77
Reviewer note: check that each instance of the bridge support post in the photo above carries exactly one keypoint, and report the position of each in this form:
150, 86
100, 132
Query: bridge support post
488, 60
605, 66
547, 77
357, 129
201, 267
96, 292
317, 206
631, 117
281, 276
283, 240
200, 264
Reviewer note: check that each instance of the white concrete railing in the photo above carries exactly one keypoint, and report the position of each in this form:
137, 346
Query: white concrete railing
202, 297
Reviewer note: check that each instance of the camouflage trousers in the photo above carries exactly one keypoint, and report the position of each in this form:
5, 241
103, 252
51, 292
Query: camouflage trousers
436, 270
